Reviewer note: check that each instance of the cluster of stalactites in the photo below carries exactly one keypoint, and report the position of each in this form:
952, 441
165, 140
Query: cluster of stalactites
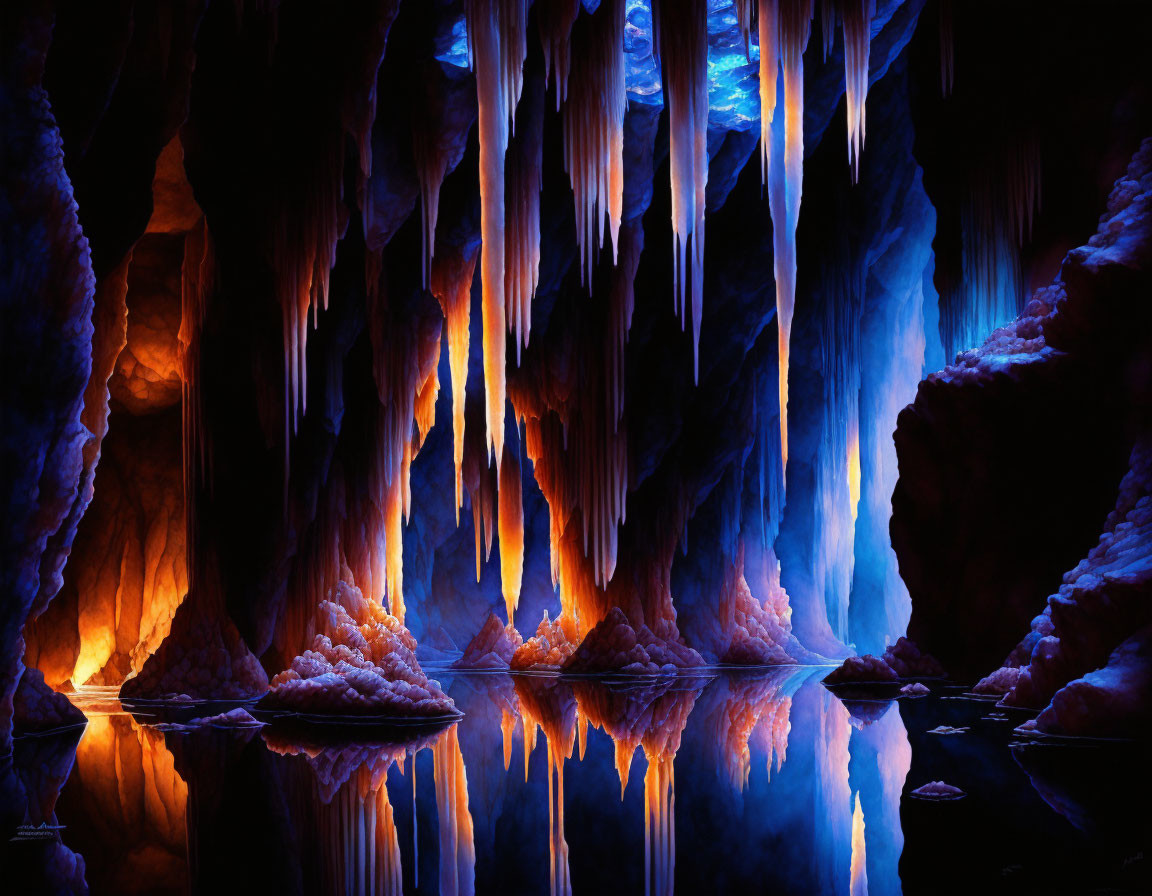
522, 214
304, 253
594, 130
497, 45
556, 19
857, 41
451, 283
404, 368
681, 34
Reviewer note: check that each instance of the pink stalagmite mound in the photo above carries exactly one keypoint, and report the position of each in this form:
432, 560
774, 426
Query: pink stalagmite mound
613, 645
859, 669
999, 682
907, 660
551, 646
493, 646
362, 663
761, 632
938, 790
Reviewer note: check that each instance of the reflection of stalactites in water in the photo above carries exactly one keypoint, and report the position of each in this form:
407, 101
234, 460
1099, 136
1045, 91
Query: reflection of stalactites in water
859, 872
457, 847
363, 844
659, 827
559, 879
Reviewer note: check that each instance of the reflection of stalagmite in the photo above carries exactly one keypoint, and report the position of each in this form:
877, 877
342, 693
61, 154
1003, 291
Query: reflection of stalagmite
653, 717
550, 705
457, 849
129, 787
858, 873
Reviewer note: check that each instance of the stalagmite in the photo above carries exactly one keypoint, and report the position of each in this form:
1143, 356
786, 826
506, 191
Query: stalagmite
594, 130
452, 286
857, 40
496, 50
511, 529
555, 19
682, 33
522, 242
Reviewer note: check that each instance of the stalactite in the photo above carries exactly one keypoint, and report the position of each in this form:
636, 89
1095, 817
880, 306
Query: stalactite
1003, 194
682, 33
857, 41
555, 19
828, 25
522, 222
481, 481
496, 50
511, 529
947, 48
452, 285
457, 844
405, 350
594, 130
785, 26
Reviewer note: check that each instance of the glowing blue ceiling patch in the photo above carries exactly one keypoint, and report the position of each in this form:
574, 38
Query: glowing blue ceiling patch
733, 78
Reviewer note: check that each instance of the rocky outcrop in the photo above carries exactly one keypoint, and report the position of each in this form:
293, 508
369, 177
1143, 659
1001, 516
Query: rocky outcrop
493, 646
1011, 456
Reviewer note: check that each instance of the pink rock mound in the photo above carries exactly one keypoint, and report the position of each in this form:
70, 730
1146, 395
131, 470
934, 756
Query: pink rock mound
203, 657
613, 645
916, 689
234, 718
907, 661
938, 790
999, 682
493, 646
36, 707
362, 662
861, 669
553, 643
762, 632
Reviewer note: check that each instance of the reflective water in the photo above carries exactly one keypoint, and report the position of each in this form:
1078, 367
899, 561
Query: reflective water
759, 782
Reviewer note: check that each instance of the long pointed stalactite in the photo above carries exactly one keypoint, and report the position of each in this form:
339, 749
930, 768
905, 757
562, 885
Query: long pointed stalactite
451, 283
497, 46
857, 42
682, 35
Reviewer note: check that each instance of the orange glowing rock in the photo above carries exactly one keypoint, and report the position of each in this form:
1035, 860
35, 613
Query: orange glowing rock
553, 643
